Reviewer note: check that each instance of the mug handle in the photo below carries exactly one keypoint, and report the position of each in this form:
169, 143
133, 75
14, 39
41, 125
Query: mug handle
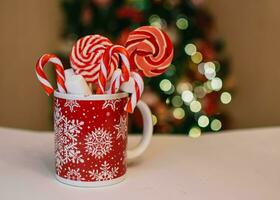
134, 153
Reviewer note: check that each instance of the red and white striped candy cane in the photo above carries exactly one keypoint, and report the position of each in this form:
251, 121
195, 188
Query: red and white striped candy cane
60, 78
135, 86
115, 82
105, 66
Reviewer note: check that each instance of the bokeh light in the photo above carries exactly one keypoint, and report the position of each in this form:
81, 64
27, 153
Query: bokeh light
216, 84
177, 101
203, 121
167, 101
182, 23
182, 86
154, 119
165, 85
216, 125
199, 92
195, 106
187, 96
209, 70
171, 91
178, 113
225, 97
194, 132
197, 57
156, 21
190, 49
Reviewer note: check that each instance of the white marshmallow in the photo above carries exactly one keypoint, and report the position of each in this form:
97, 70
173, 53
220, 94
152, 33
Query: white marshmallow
76, 84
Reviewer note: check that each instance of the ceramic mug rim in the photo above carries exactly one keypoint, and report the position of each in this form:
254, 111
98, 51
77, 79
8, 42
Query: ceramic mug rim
93, 97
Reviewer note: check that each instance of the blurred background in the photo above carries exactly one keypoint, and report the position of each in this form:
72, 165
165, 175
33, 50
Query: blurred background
224, 74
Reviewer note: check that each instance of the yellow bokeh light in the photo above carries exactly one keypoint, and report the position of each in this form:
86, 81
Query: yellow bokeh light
194, 132
203, 121
182, 23
178, 113
216, 125
195, 106
190, 49
225, 97
197, 57
154, 119
165, 85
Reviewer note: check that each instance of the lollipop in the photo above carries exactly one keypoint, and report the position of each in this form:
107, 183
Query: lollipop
86, 55
60, 78
150, 50
104, 74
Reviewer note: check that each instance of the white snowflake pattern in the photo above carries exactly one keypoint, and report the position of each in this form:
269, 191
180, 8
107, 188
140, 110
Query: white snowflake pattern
106, 172
71, 104
66, 132
111, 103
74, 174
121, 127
98, 143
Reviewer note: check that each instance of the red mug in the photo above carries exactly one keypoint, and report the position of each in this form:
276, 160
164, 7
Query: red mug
91, 138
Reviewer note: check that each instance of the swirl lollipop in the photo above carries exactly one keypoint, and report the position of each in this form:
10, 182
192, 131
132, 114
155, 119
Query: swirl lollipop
150, 50
86, 56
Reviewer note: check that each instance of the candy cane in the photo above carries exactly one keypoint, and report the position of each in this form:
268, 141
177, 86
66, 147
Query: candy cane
60, 78
105, 66
115, 82
135, 86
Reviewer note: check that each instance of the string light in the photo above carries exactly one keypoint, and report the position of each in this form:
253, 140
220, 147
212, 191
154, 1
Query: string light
203, 121
190, 49
187, 96
195, 106
195, 132
178, 113
216, 125
197, 57
182, 23
225, 98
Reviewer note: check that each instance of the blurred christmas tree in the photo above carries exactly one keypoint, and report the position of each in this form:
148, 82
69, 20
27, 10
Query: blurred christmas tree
188, 97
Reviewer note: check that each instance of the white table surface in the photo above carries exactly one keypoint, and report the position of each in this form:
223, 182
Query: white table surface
243, 164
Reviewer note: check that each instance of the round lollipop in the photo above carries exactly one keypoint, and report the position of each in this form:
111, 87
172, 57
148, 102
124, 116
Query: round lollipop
150, 50
86, 55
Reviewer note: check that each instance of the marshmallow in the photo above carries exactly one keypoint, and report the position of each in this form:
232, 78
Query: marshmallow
76, 84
